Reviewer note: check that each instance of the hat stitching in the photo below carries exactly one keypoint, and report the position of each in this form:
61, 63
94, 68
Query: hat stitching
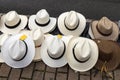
75, 56
71, 29
59, 56
42, 25
11, 27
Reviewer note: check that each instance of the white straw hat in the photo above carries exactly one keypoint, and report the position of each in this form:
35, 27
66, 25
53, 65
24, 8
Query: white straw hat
83, 54
38, 38
53, 51
12, 22
20, 51
43, 21
71, 23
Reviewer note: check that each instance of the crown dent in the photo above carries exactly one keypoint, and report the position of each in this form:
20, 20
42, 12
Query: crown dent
42, 17
71, 20
12, 18
82, 50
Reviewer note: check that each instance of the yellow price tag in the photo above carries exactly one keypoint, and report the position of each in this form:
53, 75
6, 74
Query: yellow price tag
59, 36
23, 37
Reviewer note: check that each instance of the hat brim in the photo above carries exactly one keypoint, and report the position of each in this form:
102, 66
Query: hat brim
22, 25
78, 66
113, 62
1, 43
26, 32
1, 58
27, 59
48, 28
113, 36
49, 61
78, 31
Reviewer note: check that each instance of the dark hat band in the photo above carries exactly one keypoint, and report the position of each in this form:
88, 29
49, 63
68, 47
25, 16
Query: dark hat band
38, 46
76, 57
59, 56
42, 25
11, 27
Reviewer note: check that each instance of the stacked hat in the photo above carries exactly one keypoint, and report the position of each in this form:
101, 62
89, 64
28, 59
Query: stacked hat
104, 29
18, 51
71, 23
43, 21
12, 22
38, 38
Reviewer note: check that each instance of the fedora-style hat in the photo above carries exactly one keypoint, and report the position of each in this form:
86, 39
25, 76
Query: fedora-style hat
109, 54
42, 20
18, 51
53, 50
12, 22
3, 37
104, 29
71, 23
82, 54
38, 38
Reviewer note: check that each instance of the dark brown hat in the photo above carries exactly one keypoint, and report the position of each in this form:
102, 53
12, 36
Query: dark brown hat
105, 29
109, 53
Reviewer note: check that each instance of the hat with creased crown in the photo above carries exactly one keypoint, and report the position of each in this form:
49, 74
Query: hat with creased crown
71, 23
43, 21
12, 22
104, 29
20, 51
53, 50
82, 54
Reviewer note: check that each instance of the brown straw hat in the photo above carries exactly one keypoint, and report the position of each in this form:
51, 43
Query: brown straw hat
104, 29
109, 54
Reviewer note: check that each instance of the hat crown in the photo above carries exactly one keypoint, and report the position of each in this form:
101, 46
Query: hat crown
12, 18
20, 47
37, 36
82, 51
105, 26
55, 47
42, 17
71, 20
